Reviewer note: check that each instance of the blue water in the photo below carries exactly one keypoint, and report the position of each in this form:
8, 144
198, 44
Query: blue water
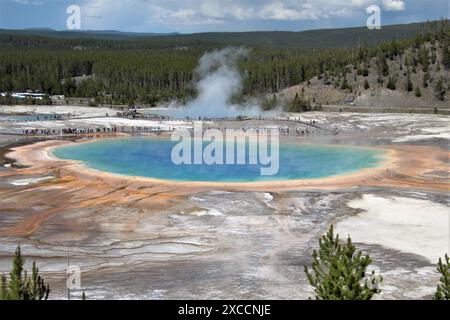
151, 157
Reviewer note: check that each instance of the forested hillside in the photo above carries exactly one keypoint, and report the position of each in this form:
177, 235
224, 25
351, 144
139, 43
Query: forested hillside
323, 38
158, 69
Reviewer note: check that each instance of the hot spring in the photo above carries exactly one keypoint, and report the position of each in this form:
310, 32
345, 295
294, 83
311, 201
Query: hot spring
151, 158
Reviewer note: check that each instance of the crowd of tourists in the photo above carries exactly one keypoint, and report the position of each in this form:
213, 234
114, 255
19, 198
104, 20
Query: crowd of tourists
96, 130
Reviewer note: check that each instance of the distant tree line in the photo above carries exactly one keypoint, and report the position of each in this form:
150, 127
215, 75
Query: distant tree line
152, 71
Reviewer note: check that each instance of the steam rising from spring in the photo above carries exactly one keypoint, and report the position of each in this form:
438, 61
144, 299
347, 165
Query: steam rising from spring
218, 80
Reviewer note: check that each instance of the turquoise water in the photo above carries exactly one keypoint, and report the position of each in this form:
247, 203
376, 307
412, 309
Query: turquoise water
150, 157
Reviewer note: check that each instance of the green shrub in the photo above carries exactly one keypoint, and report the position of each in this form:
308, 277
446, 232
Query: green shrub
20, 286
339, 271
443, 288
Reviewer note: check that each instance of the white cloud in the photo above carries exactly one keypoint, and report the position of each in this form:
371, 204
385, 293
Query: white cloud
279, 11
177, 14
394, 5
212, 11
361, 3
388, 5
32, 2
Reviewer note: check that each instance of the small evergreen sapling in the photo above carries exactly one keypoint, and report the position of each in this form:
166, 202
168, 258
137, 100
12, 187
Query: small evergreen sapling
443, 288
418, 93
20, 286
339, 271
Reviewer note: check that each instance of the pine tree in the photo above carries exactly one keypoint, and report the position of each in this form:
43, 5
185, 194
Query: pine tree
298, 104
366, 84
270, 103
37, 289
417, 92
440, 89
424, 59
383, 67
365, 72
393, 50
426, 77
391, 83
16, 285
409, 84
443, 289
3, 288
339, 271
446, 56
344, 84
20, 286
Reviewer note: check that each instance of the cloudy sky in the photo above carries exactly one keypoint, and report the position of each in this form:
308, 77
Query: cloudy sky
187, 16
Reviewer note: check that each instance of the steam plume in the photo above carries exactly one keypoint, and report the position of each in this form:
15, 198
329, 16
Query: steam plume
218, 80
